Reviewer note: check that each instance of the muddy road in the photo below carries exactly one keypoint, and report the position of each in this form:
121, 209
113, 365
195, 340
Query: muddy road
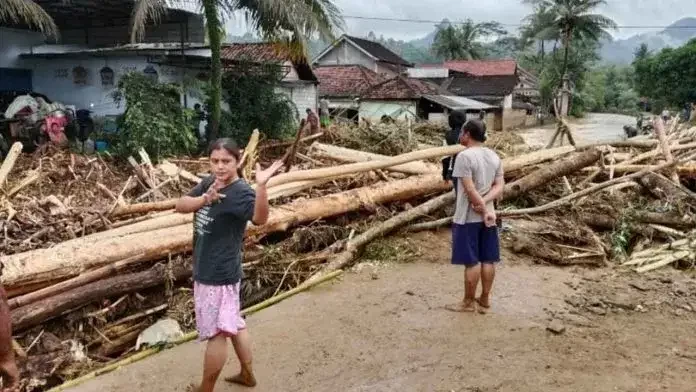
383, 327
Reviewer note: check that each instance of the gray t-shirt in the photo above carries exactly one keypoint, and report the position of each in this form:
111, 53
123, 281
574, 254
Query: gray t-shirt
218, 233
482, 165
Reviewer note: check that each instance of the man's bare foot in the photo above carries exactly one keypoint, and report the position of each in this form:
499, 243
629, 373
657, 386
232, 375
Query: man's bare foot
245, 378
193, 388
484, 304
466, 306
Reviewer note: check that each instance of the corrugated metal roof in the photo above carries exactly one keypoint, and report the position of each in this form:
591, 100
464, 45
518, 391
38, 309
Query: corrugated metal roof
458, 103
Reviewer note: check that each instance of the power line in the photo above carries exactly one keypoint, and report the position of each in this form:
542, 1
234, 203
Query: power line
406, 20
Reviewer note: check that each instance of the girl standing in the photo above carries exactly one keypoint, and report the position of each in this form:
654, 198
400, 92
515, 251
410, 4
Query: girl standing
223, 204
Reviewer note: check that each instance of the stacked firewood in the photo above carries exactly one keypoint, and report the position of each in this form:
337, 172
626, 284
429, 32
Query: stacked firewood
93, 253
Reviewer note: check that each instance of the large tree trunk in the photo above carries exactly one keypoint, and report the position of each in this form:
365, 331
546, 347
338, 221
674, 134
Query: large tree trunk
347, 155
213, 26
81, 280
62, 262
320, 174
355, 246
551, 172
665, 190
510, 165
39, 312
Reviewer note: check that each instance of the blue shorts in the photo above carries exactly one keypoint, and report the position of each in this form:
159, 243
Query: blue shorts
474, 243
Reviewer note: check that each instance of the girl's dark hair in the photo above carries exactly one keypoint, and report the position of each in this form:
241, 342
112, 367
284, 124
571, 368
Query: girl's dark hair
477, 129
231, 147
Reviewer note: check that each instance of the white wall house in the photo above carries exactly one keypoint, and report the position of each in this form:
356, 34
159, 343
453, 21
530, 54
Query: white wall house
374, 56
89, 43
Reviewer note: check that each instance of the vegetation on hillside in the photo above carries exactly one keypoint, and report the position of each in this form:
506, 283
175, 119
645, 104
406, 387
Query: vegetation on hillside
668, 77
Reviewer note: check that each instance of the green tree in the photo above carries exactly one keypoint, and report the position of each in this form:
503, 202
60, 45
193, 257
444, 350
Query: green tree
27, 12
153, 118
289, 22
574, 20
250, 91
667, 77
464, 41
540, 26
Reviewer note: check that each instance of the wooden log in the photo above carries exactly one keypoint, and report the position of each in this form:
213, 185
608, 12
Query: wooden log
584, 192
9, 162
347, 155
664, 189
551, 172
687, 171
648, 143
31, 177
121, 344
174, 219
659, 127
651, 154
355, 245
361, 167
510, 165
61, 261
49, 308
80, 280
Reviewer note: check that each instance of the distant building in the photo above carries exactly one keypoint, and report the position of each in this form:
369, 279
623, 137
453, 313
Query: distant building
299, 81
500, 83
342, 86
374, 56
404, 98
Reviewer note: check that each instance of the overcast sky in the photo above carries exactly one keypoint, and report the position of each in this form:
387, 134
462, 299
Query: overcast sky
510, 12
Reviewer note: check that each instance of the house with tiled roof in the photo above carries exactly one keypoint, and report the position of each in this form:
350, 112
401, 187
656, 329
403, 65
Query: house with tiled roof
299, 82
349, 50
501, 83
342, 85
404, 98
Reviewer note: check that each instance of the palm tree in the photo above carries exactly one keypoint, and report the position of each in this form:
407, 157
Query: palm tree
288, 22
539, 26
29, 13
463, 41
574, 19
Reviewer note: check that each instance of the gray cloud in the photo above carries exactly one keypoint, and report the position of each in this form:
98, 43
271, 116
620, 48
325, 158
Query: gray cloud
509, 12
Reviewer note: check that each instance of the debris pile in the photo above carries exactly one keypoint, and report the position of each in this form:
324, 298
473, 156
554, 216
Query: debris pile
94, 255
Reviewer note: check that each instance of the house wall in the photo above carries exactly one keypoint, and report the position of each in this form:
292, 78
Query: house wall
374, 110
516, 118
347, 54
14, 42
303, 95
53, 77
507, 102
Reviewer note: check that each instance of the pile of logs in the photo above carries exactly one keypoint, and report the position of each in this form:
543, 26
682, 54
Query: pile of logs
121, 260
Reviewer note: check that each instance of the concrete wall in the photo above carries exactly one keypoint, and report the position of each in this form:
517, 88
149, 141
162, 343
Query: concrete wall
507, 102
15, 42
347, 54
516, 118
303, 95
399, 110
54, 79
